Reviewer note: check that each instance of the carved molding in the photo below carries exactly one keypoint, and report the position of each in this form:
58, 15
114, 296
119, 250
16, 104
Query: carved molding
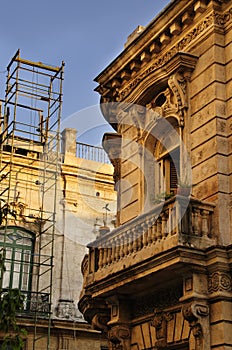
119, 336
219, 281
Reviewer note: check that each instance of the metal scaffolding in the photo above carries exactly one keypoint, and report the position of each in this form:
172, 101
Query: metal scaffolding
29, 170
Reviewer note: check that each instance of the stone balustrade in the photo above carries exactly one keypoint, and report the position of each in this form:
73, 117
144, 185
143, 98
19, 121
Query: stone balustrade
191, 226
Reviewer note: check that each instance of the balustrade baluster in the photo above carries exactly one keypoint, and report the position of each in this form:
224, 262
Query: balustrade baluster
130, 235
117, 249
164, 228
140, 236
100, 261
196, 230
204, 223
121, 253
145, 234
126, 244
149, 232
154, 232
113, 250
174, 221
105, 254
159, 228
109, 254
135, 240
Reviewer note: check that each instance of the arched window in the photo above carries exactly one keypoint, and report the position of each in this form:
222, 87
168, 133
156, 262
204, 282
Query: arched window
167, 155
19, 248
162, 158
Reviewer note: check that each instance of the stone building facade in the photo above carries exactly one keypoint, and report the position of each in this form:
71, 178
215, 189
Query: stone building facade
162, 278
85, 186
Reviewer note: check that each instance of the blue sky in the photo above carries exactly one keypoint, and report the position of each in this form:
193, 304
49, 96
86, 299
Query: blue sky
86, 34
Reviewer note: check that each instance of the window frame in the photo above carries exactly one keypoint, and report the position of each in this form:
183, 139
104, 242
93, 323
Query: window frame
8, 242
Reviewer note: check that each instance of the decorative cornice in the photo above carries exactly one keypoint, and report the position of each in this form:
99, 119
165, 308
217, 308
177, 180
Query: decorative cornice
119, 89
166, 57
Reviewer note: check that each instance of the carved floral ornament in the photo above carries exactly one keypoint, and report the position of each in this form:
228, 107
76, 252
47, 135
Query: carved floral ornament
219, 281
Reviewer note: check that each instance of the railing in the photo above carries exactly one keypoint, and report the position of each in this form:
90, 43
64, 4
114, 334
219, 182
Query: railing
34, 302
90, 152
166, 221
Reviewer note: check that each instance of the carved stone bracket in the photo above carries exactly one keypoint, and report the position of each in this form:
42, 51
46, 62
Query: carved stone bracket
194, 313
119, 336
178, 84
95, 311
112, 145
100, 320
160, 323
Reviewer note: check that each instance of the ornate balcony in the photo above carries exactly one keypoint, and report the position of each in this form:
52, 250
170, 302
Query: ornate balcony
175, 222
